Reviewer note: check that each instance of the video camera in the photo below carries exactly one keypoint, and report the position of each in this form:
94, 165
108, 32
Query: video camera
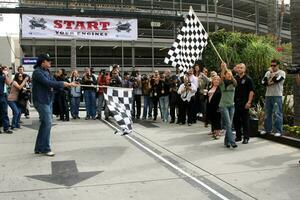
102, 72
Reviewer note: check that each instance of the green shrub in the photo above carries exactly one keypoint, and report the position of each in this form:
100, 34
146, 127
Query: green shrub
292, 130
234, 47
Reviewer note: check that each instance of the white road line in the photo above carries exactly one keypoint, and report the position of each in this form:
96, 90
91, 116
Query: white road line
172, 165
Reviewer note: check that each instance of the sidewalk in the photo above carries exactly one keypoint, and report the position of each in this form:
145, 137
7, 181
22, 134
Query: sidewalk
114, 167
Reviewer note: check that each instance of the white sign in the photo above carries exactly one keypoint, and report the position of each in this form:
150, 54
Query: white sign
63, 27
155, 24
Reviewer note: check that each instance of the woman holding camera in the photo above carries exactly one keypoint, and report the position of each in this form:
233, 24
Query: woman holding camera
16, 86
75, 95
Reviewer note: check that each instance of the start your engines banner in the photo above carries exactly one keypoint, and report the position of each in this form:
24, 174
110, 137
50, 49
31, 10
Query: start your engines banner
64, 27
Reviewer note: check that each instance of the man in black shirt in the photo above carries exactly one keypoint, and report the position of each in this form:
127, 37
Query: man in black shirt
243, 97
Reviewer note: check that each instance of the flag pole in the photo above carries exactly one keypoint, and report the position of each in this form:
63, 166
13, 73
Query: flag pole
216, 51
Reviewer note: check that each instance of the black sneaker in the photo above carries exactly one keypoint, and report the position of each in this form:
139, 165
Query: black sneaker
8, 132
245, 141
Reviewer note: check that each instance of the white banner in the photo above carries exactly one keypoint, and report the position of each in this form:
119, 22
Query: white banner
64, 27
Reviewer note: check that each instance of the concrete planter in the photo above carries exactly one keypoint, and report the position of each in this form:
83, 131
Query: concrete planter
253, 127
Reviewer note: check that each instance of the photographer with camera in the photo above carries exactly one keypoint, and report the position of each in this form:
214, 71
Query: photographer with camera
103, 80
75, 94
14, 99
127, 82
61, 105
28, 91
137, 93
187, 91
146, 91
174, 97
164, 98
155, 92
89, 93
115, 80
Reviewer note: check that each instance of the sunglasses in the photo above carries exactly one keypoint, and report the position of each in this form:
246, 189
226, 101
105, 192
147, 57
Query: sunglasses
273, 65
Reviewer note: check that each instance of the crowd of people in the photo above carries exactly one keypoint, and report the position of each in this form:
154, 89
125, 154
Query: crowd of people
16, 94
221, 98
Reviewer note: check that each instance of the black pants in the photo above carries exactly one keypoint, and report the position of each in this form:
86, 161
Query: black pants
137, 103
173, 104
155, 101
185, 109
63, 106
193, 111
241, 121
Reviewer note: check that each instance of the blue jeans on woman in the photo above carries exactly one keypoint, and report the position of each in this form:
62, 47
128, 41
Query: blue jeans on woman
90, 103
270, 103
147, 107
15, 123
75, 102
227, 114
42, 144
164, 107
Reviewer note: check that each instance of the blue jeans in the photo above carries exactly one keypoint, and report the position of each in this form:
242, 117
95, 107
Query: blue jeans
147, 107
75, 102
164, 104
227, 116
90, 103
42, 143
270, 103
3, 110
15, 123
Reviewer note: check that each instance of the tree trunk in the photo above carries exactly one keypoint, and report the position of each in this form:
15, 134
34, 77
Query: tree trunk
295, 31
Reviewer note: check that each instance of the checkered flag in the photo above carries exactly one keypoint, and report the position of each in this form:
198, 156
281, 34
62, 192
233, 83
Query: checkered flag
119, 103
188, 46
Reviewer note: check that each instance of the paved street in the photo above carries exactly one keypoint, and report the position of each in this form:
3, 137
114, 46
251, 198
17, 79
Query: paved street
157, 161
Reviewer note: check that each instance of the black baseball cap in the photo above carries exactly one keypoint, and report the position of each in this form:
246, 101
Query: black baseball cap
43, 57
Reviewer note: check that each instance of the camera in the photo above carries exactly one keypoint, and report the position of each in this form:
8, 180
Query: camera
115, 82
132, 79
188, 84
144, 77
102, 72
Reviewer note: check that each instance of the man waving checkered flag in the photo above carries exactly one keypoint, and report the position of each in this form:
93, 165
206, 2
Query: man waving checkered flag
188, 46
119, 103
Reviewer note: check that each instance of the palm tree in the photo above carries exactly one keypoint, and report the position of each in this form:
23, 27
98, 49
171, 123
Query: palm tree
272, 17
295, 24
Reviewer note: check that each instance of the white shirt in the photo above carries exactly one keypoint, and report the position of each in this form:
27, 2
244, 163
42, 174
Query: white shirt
277, 88
186, 95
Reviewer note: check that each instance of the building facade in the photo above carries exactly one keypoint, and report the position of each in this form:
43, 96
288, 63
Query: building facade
158, 23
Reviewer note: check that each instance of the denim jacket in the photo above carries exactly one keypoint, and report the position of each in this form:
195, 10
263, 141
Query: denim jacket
43, 85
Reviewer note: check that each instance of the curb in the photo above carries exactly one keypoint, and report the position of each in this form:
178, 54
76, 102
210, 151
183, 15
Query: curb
290, 141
